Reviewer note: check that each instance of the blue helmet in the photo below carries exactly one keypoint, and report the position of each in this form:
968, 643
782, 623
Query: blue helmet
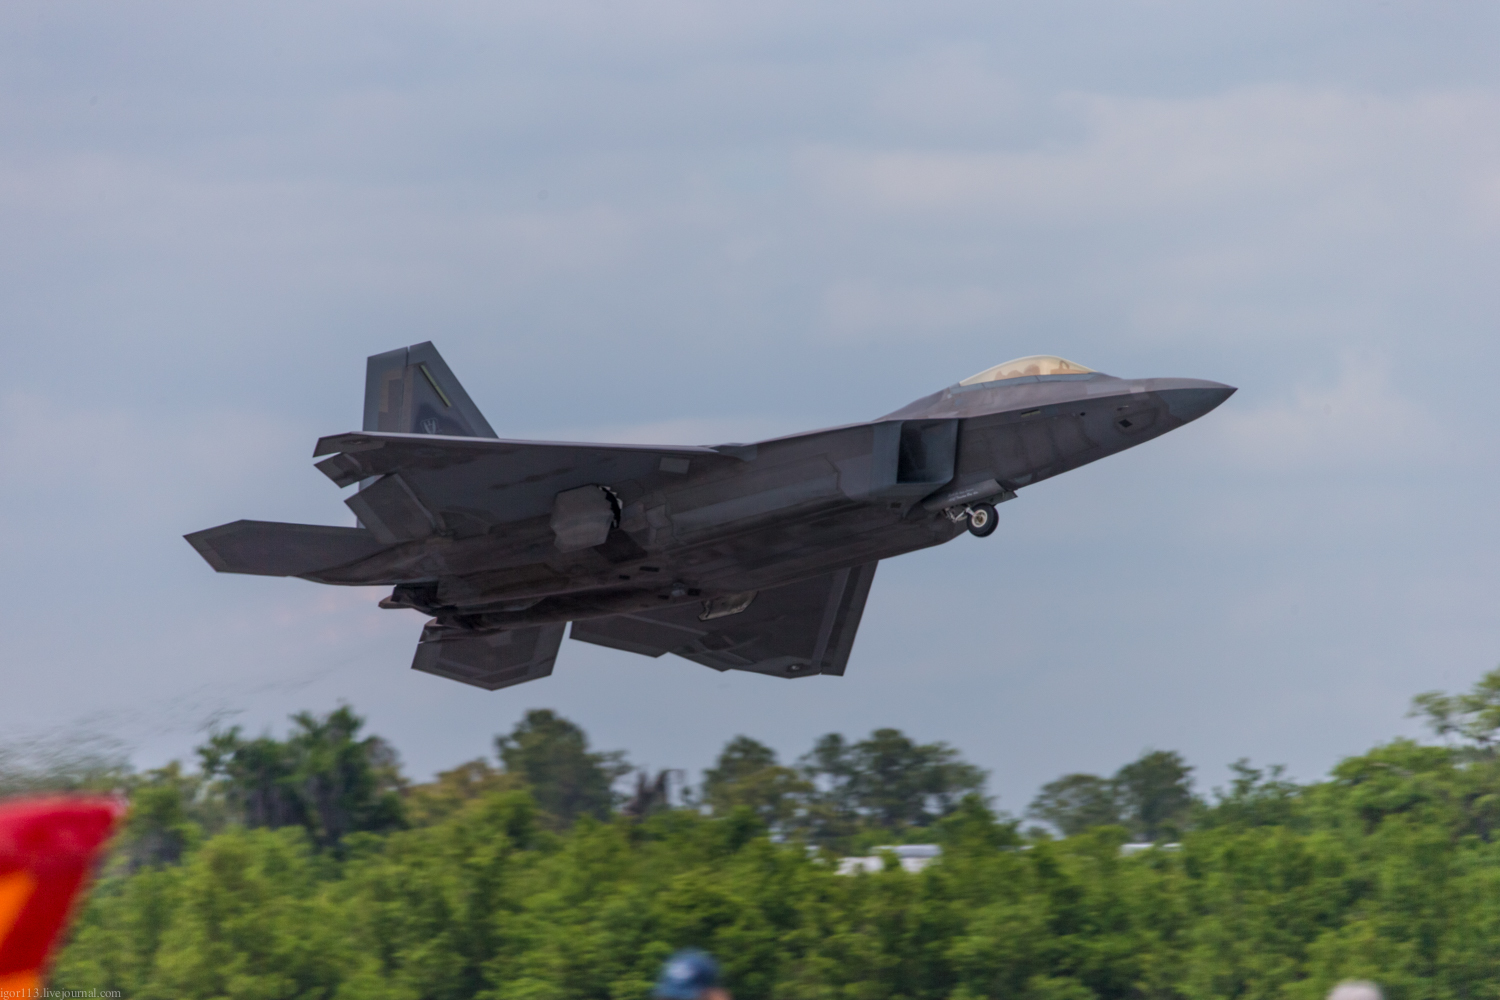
687, 975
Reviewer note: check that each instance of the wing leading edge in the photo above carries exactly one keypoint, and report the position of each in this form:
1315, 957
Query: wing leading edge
795, 630
497, 480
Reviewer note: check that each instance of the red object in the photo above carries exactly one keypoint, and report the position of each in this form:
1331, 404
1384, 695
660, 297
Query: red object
47, 847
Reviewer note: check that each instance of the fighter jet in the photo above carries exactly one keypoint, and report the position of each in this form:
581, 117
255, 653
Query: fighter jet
752, 557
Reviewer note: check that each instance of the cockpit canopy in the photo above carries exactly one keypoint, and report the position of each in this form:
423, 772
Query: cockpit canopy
1036, 364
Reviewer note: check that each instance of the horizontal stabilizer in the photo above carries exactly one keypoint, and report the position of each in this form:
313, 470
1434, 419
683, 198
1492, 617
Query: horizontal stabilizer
490, 660
270, 548
795, 630
391, 511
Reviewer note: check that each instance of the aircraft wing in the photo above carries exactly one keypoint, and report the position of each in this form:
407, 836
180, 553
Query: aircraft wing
790, 631
490, 660
496, 480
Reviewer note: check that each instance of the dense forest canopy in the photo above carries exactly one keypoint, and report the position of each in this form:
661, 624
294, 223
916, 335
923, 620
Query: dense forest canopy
309, 866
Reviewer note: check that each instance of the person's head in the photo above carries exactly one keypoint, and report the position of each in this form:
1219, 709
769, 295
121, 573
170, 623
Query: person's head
689, 975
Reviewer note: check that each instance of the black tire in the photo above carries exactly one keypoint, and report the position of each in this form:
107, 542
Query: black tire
982, 520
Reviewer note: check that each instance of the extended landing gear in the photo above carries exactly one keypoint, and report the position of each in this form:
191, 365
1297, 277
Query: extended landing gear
982, 520
981, 517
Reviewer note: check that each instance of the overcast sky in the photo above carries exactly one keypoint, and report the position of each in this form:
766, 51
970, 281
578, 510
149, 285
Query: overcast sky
700, 222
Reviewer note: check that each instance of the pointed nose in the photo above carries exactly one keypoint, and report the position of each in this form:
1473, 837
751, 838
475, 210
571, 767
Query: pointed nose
1189, 399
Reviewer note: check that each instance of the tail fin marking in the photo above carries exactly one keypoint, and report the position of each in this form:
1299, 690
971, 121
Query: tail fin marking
411, 390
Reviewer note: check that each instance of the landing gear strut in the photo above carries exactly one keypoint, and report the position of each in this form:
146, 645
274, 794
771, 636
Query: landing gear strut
982, 520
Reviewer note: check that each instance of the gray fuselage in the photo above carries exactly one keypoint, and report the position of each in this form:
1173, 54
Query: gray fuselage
751, 517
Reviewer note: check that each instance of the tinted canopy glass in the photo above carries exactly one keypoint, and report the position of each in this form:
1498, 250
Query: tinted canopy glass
1036, 364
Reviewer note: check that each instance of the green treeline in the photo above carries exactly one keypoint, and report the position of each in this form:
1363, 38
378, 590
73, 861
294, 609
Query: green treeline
309, 867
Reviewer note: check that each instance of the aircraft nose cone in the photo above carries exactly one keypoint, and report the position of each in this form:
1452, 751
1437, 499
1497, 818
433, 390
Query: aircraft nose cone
1191, 398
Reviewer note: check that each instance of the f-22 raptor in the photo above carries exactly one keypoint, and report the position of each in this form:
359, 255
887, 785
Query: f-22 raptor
753, 557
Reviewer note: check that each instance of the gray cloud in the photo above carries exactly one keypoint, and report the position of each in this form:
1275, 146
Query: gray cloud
759, 218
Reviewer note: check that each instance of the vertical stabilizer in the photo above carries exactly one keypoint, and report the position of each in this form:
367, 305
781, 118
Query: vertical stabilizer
413, 391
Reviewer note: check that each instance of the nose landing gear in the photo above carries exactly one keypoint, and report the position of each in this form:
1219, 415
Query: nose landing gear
982, 520
981, 517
